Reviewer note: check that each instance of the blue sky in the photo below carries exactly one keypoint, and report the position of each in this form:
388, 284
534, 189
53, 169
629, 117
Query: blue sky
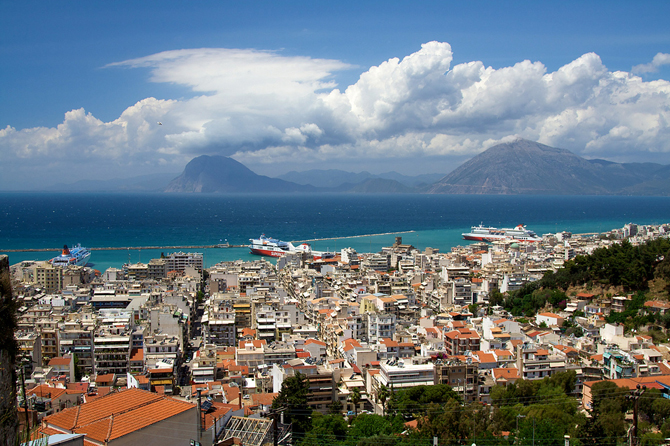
267, 83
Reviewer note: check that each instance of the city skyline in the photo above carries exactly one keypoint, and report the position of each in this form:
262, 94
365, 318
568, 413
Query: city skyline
119, 90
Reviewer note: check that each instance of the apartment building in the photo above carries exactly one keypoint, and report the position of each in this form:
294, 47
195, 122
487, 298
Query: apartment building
218, 320
179, 261
460, 341
322, 387
112, 351
48, 276
77, 339
536, 363
379, 326
463, 377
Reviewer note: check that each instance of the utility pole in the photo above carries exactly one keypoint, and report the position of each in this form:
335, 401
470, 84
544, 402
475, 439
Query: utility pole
517, 425
199, 417
533, 431
25, 399
635, 397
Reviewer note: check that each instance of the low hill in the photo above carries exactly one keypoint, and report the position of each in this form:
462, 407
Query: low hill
336, 178
378, 186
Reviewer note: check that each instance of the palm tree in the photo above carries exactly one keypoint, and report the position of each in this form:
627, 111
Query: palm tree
382, 395
355, 399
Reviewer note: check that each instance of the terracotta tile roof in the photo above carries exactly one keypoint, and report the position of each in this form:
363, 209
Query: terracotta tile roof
141, 379
243, 369
350, 344
263, 398
118, 425
414, 424
137, 354
389, 342
586, 295
216, 412
502, 353
485, 357
505, 373
99, 393
82, 387
102, 407
566, 349
248, 332
315, 341
256, 343
156, 371
59, 360
232, 393
46, 391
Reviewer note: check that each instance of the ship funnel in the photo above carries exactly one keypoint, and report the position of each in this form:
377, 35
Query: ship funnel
66, 252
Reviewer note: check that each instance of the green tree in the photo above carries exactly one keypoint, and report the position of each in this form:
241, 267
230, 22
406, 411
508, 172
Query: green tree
335, 408
382, 395
607, 424
292, 398
77, 368
443, 422
355, 399
326, 430
413, 400
368, 425
8, 352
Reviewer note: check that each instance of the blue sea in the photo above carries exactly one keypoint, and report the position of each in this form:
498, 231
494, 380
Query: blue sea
47, 221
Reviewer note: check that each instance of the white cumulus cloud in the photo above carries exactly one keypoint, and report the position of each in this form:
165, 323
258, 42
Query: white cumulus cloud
659, 60
262, 107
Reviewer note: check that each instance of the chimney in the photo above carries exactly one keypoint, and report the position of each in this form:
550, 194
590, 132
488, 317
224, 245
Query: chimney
239, 398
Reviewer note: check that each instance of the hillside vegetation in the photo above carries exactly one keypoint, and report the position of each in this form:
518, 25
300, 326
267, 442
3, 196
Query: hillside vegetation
624, 266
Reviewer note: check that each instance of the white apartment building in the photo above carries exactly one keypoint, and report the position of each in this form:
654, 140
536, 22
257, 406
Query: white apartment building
178, 261
379, 326
218, 321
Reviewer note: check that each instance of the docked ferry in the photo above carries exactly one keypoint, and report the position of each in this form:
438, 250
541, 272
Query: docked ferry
77, 255
489, 234
266, 246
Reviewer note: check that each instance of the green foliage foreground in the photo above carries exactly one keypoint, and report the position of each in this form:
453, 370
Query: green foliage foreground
525, 413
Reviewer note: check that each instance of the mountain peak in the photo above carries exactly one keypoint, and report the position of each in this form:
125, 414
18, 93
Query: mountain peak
223, 174
522, 167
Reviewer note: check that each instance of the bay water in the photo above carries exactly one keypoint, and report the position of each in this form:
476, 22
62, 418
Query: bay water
47, 221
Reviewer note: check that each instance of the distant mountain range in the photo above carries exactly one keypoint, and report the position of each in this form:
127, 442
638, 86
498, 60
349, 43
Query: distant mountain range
527, 167
145, 183
335, 178
518, 167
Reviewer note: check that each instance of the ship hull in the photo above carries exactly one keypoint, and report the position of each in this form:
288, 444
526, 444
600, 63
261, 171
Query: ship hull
266, 252
78, 256
488, 234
